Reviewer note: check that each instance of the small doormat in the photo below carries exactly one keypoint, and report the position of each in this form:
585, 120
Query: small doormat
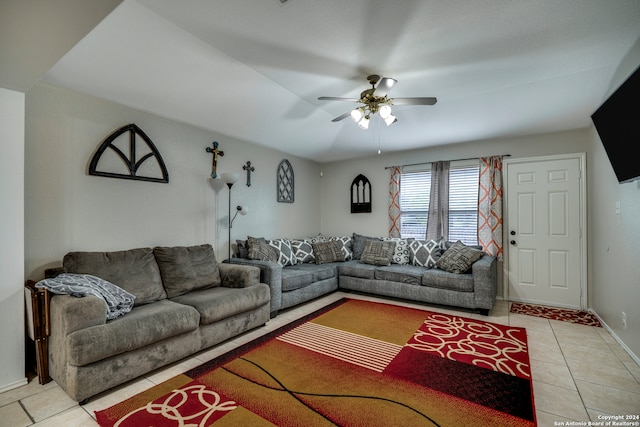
562, 314
353, 363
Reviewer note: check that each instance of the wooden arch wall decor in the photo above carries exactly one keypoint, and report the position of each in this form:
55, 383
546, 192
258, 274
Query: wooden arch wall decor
360, 195
285, 182
131, 161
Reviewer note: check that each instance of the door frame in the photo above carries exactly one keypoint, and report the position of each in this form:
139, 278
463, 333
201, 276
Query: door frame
581, 157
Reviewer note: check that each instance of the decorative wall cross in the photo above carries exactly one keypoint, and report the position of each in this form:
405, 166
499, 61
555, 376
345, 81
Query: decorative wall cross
214, 163
249, 169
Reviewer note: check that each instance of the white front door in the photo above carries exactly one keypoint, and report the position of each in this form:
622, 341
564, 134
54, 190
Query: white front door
545, 223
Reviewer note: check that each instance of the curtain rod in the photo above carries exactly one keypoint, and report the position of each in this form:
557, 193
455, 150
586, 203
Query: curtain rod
454, 160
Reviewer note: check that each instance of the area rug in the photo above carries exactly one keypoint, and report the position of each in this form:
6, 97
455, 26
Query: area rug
353, 363
563, 314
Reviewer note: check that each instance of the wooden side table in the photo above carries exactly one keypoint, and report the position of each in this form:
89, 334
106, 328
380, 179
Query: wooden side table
37, 302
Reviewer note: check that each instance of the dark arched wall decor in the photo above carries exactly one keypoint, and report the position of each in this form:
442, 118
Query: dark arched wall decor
360, 195
131, 162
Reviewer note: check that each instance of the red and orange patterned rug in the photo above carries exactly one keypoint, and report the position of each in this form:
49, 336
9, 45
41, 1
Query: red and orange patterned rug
563, 314
353, 363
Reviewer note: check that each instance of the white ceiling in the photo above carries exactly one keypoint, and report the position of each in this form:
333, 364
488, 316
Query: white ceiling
254, 69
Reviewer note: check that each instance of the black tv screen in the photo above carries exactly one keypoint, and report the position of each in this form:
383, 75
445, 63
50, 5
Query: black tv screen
618, 124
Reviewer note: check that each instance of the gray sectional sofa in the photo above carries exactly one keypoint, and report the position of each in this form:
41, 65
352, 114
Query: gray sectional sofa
184, 302
412, 270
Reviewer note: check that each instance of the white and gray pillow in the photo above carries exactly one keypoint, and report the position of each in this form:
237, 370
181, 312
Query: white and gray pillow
424, 253
401, 253
284, 250
345, 246
303, 250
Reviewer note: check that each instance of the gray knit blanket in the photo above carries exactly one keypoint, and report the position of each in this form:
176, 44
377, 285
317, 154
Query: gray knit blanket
118, 300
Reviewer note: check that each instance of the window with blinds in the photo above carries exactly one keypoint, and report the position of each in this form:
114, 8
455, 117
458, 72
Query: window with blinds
463, 203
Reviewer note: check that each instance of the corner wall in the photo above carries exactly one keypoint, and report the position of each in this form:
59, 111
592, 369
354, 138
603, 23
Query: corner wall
12, 334
68, 210
615, 237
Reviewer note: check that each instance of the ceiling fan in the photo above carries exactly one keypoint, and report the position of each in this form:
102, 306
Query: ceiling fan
375, 101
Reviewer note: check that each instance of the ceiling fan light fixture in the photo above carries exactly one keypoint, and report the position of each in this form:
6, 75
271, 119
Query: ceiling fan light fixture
357, 114
390, 119
364, 123
385, 111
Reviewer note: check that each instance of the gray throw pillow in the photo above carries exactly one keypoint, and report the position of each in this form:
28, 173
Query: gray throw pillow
358, 242
328, 252
377, 252
303, 250
424, 253
185, 269
259, 249
458, 258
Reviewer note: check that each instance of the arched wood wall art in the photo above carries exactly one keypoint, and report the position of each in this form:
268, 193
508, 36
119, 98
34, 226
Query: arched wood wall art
360, 195
285, 182
139, 161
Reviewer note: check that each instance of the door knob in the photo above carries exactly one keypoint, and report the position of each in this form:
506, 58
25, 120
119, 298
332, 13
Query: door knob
513, 233
513, 242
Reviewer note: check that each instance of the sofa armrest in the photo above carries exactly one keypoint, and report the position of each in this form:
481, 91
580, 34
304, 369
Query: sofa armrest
485, 279
239, 276
70, 314
271, 274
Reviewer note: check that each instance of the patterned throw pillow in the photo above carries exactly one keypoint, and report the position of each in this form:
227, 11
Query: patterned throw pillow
357, 244
303, 250
377, 252
285, 252
330, 251
424, 253
345, 246
401, 252
458, 258
259, 249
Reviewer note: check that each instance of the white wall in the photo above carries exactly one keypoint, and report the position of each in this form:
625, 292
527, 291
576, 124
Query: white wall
12, 366
336, 216
67, 209
615, 238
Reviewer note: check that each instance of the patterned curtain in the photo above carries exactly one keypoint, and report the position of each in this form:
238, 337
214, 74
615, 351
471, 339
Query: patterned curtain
394, 202
438, 217
490, 206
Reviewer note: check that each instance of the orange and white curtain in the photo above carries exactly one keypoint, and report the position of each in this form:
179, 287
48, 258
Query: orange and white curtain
394, 201
490, 206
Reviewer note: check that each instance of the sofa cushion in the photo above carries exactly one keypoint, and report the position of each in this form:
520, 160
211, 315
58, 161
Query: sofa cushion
424, 253
357, 269
320, 272
221, 302
437, 278
140, 327
293, 279
377, 252
458, 258
184, 269
330, 251
134, 270
409, 274
358, 242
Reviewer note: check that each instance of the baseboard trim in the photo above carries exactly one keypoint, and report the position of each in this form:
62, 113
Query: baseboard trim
13, 385
616, 337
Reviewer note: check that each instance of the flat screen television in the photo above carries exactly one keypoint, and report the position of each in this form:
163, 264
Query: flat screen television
618, 124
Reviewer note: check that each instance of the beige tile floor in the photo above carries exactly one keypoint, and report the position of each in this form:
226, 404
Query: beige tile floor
580, 373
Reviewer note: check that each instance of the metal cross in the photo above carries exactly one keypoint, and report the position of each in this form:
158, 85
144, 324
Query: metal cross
214, 163
249, 169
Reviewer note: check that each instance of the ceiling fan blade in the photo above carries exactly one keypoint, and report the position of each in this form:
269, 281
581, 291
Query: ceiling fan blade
343, 116
414, 101
384, 86
336, 98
